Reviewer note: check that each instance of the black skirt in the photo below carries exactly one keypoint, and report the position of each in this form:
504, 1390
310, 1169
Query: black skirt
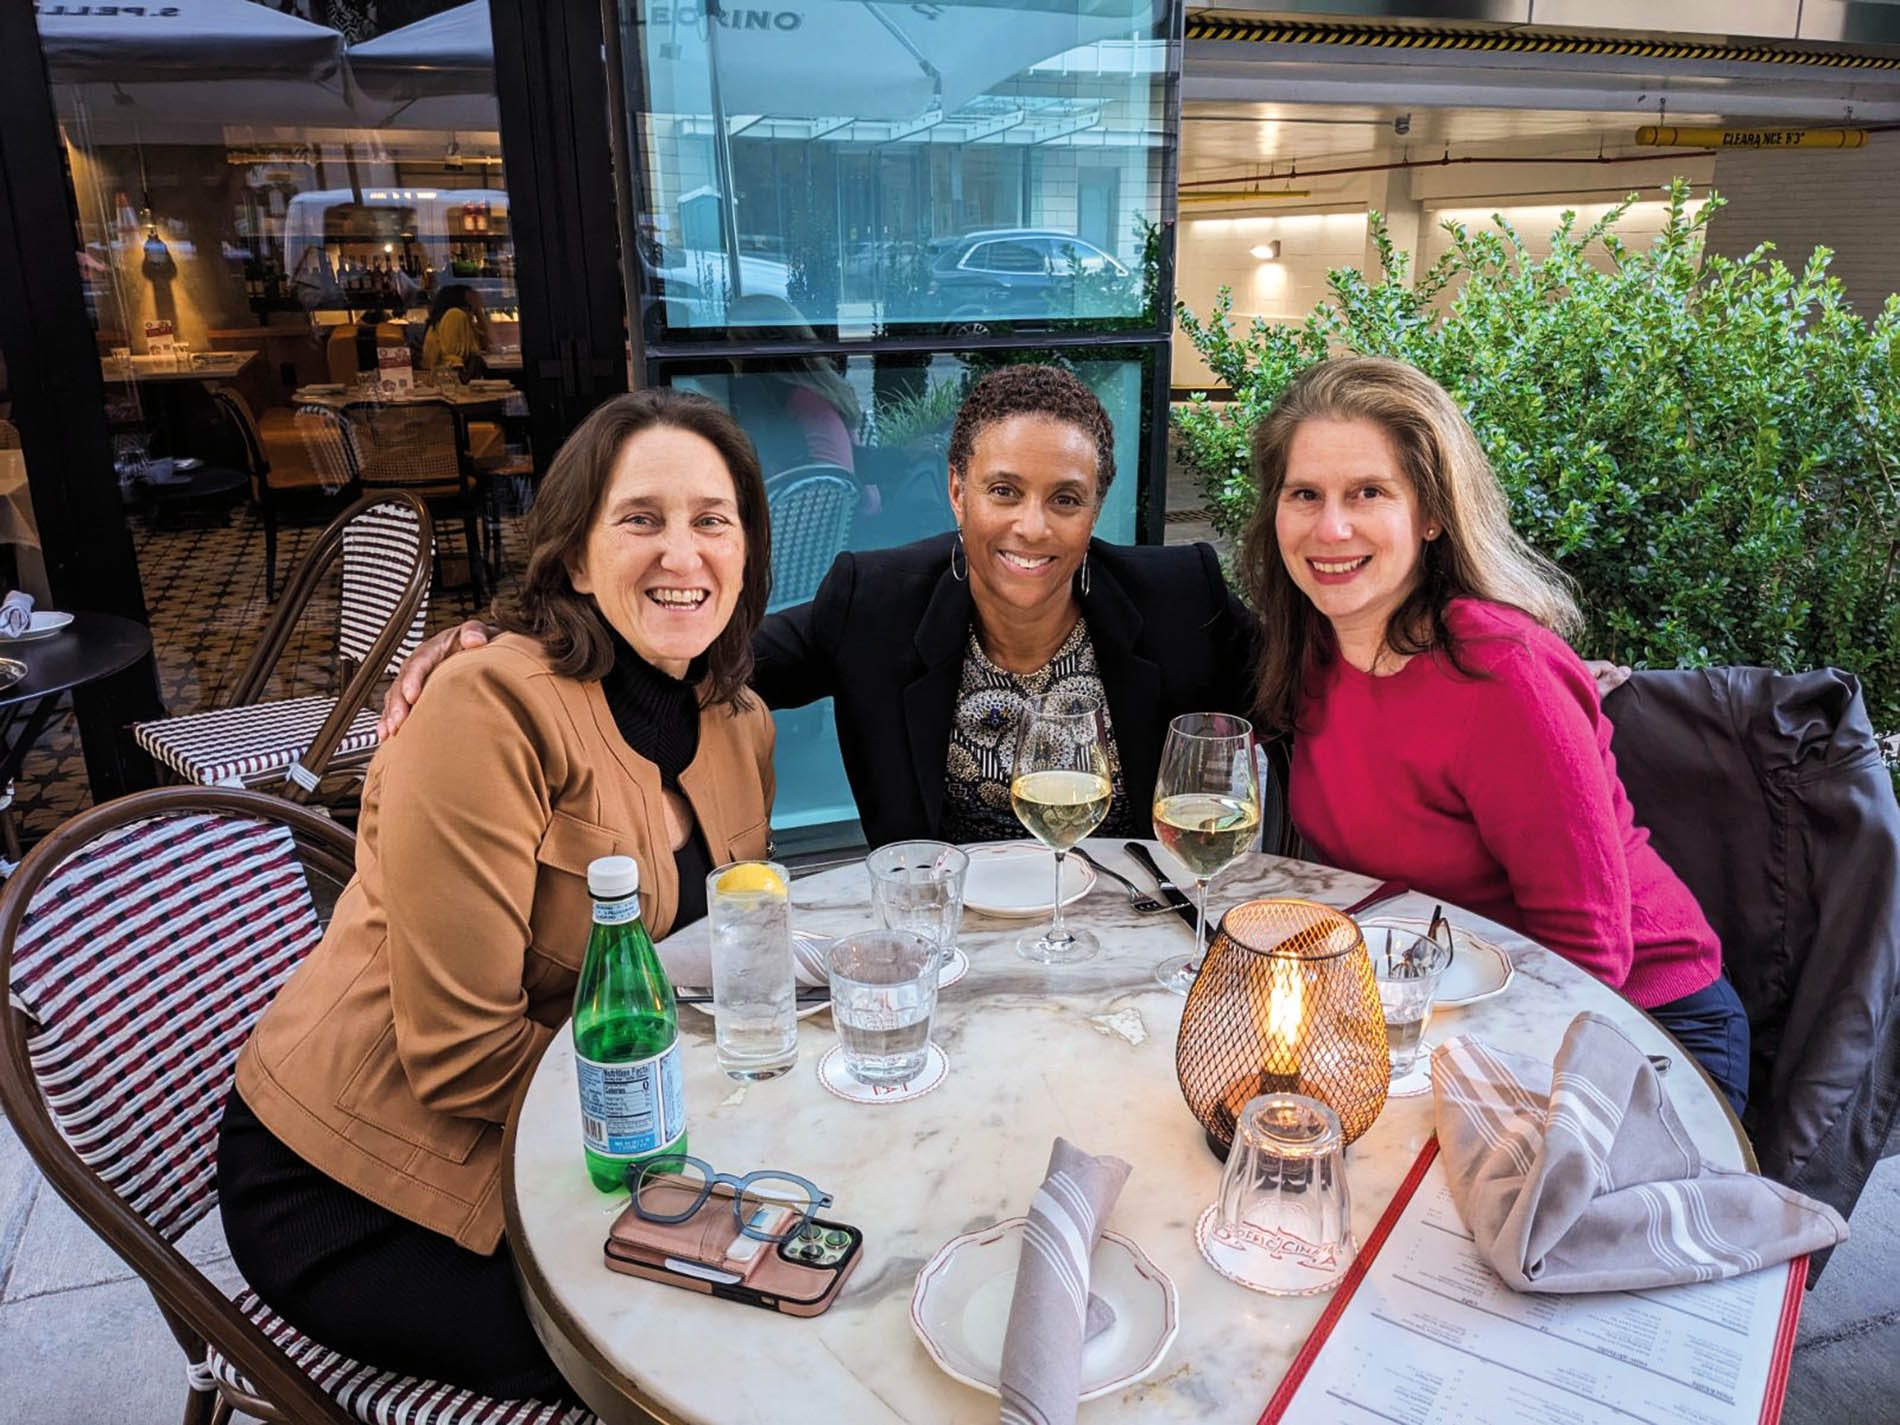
368, 1283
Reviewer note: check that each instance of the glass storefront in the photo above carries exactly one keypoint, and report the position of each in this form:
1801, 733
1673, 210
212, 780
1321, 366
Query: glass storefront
841, 214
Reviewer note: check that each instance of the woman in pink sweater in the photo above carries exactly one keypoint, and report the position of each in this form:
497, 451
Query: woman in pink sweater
1444, 732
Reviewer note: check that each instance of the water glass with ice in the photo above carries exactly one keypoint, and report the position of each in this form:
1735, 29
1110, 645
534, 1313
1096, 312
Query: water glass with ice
755, 1010
1407, 966
883, 997
918, 885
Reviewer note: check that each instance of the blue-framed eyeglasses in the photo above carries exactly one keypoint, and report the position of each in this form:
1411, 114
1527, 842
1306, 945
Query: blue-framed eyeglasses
672, 1188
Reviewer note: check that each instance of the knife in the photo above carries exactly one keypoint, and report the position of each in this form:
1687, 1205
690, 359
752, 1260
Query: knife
1384, 891
1171, 893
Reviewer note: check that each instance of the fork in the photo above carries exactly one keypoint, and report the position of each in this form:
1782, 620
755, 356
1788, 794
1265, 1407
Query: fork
1138, 899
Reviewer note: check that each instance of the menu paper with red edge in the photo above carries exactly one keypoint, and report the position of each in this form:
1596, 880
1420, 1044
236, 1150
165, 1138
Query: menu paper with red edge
1423, 1332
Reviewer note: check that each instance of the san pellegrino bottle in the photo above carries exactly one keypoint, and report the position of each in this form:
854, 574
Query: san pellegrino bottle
626, 1034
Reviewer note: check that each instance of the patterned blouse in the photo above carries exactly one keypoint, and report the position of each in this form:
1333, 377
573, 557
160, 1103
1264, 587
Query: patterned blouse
990, 703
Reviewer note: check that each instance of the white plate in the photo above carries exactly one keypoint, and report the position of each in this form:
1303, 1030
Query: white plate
1478, 970
1014, 879
960, 1309
40, 625
805, 938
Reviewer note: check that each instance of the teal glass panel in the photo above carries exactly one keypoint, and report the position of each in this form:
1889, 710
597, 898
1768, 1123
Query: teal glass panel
877, 427
859, 168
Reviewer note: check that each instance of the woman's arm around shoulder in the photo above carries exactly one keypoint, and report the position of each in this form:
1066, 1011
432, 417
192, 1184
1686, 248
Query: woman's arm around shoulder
793, 653
464, 802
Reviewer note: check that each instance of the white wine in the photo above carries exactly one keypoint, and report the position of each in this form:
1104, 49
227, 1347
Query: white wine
1059, 808
1206, 833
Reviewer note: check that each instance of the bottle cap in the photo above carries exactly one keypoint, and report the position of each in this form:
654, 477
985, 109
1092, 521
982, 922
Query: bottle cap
613, 878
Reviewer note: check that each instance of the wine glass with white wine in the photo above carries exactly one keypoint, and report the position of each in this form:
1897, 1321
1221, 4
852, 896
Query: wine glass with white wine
1207, 812
1059, 789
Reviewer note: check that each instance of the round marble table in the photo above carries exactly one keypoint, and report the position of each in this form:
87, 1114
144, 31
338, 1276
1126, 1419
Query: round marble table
1084, 1051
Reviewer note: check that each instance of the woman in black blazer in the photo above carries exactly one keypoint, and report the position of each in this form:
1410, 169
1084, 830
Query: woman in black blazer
931, 648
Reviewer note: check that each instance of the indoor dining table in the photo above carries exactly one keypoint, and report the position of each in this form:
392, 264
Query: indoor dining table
1083, 1051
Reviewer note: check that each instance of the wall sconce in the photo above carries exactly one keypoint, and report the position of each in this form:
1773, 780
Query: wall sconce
1285, 1003
1268, 251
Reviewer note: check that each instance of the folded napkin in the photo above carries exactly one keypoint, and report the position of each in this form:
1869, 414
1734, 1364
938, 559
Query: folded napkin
686, 955
1578, 1176
1052, 1313
16, 614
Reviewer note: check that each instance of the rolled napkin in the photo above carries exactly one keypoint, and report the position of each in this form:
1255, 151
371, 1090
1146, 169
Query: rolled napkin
1051, 1314
16, 614
686, 955
1578, 1176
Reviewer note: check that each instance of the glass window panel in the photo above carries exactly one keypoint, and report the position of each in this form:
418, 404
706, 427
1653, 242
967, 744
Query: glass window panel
882, 422
898, 169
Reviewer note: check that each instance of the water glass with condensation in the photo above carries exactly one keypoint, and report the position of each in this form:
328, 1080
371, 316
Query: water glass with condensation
1407, 966
1283, 1222
755, 993
883, 998
918, 885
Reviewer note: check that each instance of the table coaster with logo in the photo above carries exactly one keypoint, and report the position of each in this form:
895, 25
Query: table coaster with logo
836, 1079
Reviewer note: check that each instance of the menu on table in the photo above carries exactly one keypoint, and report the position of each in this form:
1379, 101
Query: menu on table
1425, 1333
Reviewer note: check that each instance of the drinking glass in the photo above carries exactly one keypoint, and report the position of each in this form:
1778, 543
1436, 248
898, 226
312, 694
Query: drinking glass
918, 885
883, 996
1283, 1221
1059, 789
755, 1009
1407, 966
1207, 813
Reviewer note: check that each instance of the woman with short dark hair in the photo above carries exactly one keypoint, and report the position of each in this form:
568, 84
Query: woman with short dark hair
455, 335
360, 1156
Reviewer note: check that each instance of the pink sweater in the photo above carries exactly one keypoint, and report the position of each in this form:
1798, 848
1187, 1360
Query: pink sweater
1499, 794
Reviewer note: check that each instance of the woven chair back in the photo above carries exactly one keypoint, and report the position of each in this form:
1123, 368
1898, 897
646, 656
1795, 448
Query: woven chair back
811, 507
408, 444
381, 548
326, 446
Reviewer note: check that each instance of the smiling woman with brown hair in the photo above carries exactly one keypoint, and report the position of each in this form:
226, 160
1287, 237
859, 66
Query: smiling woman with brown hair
360, 1157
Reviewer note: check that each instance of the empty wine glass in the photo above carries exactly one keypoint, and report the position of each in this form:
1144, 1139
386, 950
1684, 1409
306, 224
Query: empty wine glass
1059, 789
1207, 813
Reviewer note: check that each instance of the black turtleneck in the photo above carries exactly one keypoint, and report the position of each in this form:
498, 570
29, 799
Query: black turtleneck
659, 718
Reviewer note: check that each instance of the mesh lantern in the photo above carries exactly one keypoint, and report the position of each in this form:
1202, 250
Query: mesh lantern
1285, 1003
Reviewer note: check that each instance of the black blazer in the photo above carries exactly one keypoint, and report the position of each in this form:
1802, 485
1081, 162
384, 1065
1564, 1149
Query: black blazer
885, 636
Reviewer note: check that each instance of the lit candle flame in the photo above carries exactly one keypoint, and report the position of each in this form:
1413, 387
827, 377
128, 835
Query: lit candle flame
1286, 1008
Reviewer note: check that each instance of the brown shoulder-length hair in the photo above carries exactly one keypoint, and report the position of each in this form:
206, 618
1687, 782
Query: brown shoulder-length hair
568, 624
1477, 553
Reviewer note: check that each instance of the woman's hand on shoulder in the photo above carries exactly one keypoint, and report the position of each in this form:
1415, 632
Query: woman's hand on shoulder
1609, 676
404, 693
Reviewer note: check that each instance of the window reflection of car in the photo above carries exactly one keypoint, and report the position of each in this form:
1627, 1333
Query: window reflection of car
695, 285
1012, 273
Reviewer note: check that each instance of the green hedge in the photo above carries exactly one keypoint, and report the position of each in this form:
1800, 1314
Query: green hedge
1708, 446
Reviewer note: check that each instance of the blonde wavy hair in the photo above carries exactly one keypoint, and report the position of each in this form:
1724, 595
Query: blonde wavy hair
1477, 555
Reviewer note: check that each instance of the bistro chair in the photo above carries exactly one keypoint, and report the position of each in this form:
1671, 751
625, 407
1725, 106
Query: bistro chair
422, 446
327, 446
141, 941
811, 508
384, 546
246, 447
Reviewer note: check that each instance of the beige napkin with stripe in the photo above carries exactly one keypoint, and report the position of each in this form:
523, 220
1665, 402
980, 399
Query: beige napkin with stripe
1053, 1312
1579, 1176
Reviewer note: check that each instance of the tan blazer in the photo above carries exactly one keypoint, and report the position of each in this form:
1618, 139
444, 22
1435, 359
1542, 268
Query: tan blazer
394, 1055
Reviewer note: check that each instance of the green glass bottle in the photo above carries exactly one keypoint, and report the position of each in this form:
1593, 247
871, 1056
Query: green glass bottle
626, 1034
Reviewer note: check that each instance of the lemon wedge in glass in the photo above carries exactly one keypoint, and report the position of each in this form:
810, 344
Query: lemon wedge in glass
751, 879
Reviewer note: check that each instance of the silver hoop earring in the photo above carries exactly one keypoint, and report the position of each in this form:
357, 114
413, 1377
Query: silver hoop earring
1085, 576
959, 574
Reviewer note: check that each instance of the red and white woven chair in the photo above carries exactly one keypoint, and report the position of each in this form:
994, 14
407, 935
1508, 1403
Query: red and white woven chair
385, 546
141, 941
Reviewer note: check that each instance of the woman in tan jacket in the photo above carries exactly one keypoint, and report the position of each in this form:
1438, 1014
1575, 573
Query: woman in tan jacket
360, 1157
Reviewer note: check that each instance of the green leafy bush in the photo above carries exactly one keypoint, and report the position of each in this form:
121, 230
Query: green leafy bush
1707, 445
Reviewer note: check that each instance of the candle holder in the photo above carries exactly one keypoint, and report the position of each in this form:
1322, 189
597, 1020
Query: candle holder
1285, 1003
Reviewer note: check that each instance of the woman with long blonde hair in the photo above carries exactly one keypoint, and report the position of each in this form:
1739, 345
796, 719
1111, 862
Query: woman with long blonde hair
1444, 732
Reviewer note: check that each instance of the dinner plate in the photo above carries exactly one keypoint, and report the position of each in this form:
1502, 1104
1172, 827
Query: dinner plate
1014, 879
1477, 971
43, 624
808, 941
11, 671
960, 1309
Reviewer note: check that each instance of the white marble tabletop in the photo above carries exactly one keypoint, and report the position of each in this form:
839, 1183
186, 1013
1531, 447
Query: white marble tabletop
1084, 1051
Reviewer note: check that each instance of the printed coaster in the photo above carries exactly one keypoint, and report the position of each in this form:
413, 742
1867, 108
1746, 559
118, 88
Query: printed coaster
836, 1080
1277, 1263
955, 966
1418, 1080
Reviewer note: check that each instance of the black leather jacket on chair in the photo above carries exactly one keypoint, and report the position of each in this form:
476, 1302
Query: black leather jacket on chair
1767, 794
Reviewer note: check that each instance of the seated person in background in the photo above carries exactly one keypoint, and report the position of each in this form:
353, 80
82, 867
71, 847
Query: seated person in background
360, 1154
455, 336
1445, 734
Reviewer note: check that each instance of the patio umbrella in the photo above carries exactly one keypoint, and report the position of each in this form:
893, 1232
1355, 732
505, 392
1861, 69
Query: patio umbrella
795, 58
190, 40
